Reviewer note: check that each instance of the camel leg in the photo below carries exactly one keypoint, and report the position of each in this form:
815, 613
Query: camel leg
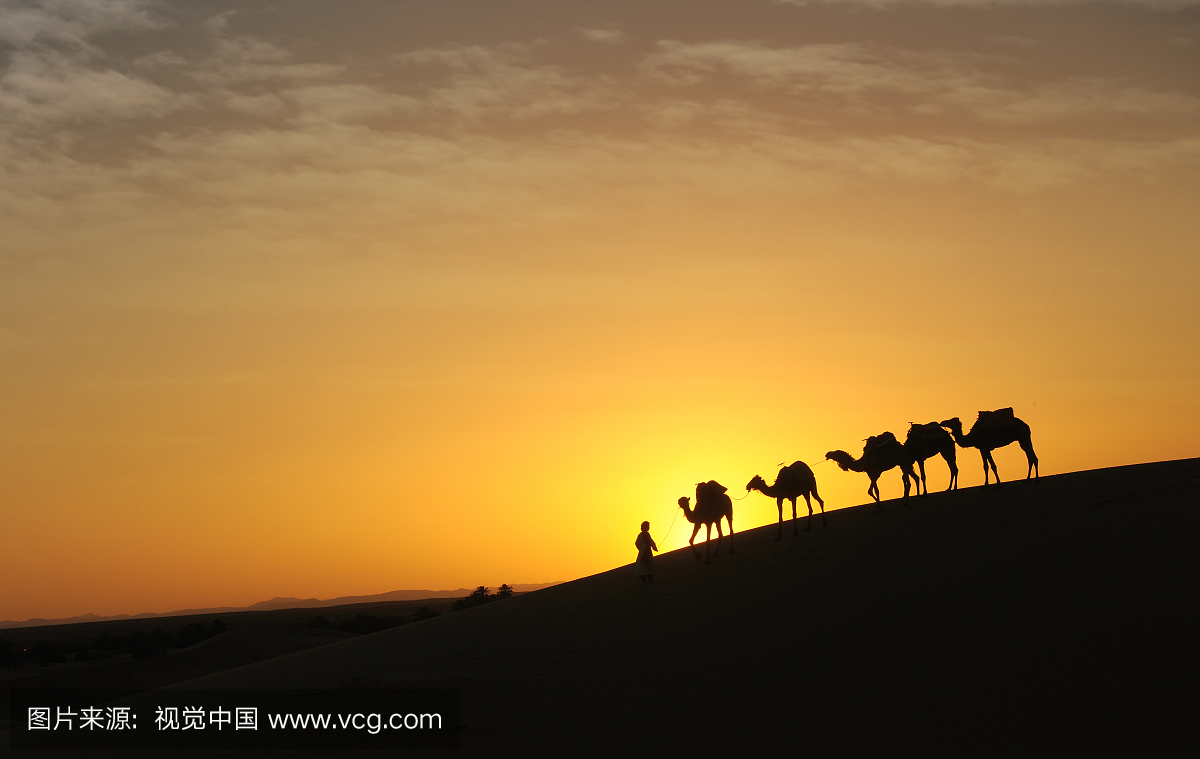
717, 553
904, 476
729, 517
995, 471
824, 521
953, 470
873, 491
779, 503
707, 540
986, 473
692, 541
808, 522
795, 530
1027, 446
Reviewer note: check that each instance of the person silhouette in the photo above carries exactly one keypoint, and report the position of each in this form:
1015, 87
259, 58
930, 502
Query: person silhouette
644, 567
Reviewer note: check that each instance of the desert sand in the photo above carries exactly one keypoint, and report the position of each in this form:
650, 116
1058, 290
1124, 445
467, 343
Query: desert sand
1046, 614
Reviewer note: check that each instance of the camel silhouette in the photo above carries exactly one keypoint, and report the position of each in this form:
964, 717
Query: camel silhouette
927, 440
792, 482
881, 453
992, 430
711, 504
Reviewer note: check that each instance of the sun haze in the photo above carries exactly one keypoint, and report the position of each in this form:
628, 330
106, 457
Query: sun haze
322, 299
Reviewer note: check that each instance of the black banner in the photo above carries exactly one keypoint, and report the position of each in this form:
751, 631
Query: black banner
233, 719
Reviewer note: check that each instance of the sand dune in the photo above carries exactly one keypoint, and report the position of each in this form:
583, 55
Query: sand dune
966, 623
231, 649
269, 605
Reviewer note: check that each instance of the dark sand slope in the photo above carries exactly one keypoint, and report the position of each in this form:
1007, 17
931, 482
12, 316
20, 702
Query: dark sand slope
974, 622
239, 646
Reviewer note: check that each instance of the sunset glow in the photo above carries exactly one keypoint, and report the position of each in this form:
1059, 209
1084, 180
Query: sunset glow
324, 299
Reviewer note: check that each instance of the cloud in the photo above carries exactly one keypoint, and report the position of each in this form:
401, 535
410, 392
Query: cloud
262, 106
45, 87
72, 21
845, 69
606, 36
496, 81
54, 75
347, 103
1015, 40
318, 158
1079, 98
334, 186
244, 59
929, 82
160, 60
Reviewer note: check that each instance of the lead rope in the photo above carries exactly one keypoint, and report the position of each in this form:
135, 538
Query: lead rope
677, 510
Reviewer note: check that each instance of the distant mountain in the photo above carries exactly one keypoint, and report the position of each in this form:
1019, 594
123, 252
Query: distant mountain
278, 603
395, 595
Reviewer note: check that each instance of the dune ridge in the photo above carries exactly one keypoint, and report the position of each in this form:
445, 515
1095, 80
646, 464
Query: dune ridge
1044, 612
278, 602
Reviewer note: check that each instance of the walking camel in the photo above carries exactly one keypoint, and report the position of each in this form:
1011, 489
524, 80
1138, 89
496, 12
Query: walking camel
992, 430
927, 440
881, 453
711, 504
792, 482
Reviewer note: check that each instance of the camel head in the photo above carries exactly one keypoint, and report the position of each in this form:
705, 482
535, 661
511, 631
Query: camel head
842, 458
685, 503
756, 484
952, 423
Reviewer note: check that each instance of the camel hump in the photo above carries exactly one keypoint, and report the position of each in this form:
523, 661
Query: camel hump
999, 415
880, 440
798, 469
709, 490
995, 420
797, 473
919, 431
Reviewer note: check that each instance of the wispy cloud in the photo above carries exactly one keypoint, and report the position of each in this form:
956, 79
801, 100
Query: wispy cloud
72, 21
347, 103
1071, 99
608, 36
930, 82
343, 185
846, 69
54, 74
243, 59
500, 81
323, 151
43, 87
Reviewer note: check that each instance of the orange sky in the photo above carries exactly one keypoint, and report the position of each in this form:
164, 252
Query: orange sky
331, 299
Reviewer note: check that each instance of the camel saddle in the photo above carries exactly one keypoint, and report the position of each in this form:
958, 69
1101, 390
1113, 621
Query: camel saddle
708, 490
995, 420
878, 441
